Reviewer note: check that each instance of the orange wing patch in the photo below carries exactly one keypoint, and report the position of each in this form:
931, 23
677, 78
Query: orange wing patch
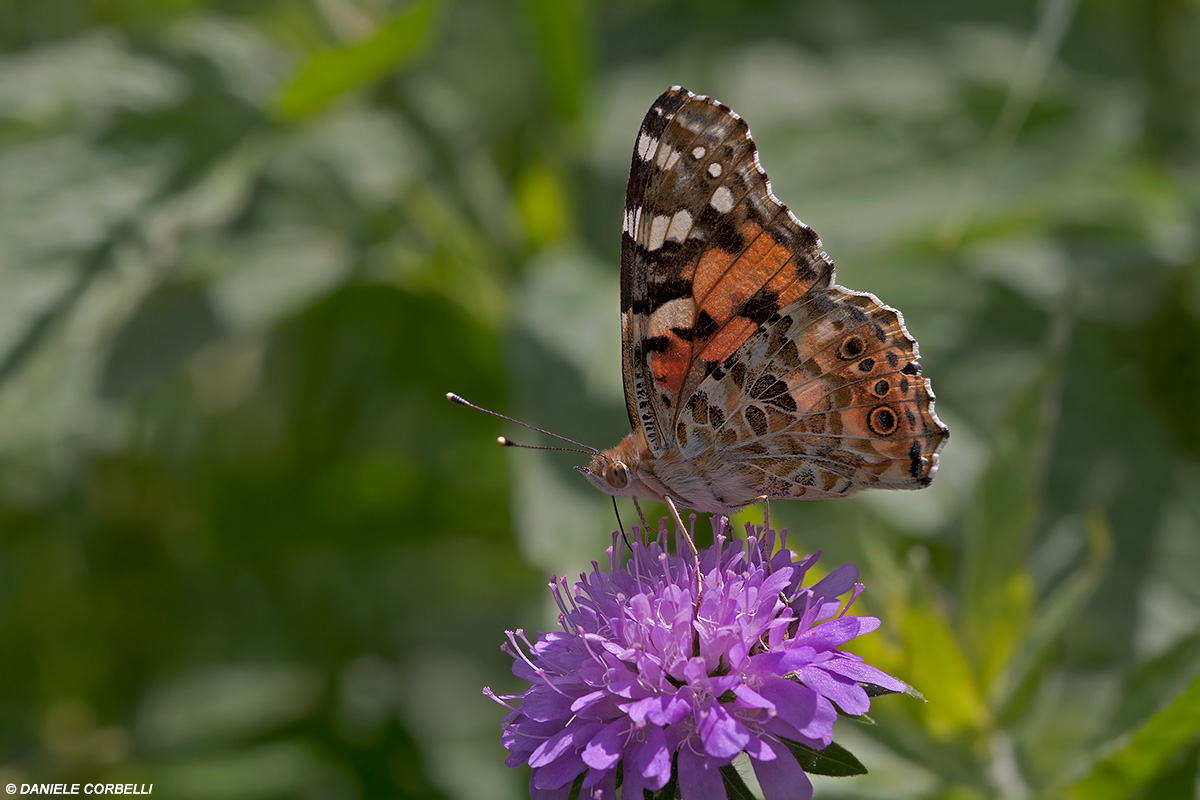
721, 287
670, 360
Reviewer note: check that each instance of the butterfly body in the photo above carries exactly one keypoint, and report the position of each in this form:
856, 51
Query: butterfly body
703, 481
748, 371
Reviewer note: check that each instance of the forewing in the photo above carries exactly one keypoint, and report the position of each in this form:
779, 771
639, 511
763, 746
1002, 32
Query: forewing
708, 256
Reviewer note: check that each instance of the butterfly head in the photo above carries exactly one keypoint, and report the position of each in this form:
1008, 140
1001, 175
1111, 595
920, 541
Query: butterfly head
619, 471
609, 475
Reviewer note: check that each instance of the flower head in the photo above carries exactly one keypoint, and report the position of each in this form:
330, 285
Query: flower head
644, 678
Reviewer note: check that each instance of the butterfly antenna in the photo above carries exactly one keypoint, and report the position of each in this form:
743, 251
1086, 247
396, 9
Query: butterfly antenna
453, 398
504, 441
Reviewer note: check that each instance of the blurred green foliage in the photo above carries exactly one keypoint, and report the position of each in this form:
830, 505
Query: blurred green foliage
247, 550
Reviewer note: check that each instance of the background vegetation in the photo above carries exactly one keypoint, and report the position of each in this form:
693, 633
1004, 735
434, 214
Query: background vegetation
247, 550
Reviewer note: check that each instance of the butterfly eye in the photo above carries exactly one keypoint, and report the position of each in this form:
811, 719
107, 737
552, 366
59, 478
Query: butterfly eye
617, 475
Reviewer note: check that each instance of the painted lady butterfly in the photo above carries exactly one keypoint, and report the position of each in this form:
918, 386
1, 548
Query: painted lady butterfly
749, 373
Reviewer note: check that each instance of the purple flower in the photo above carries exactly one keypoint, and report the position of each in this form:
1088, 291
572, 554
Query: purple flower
643, 679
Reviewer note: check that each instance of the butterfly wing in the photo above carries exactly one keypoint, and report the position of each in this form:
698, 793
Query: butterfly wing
747, 369
708, 256
824, 401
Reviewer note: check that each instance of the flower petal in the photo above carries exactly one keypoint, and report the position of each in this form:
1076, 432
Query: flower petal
657, 710
848, 695
782, 778
632, 782
695, 672
699, 777
779, 728
836, 632
801, 707
863, 673
604, 749
600, 784
723, 735
748, 698
560, 773
836, 583
653, 762
757, 748
561, 793
578, 705
606, 787
566, 740
782, 662
776, 582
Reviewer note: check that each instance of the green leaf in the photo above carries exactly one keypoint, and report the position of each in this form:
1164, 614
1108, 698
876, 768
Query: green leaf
333, 73
543, 205
171, 324
1151, 685
834, 761
998, 593
735, 787
560, 31
874, 690
937, 663
1137, 758
1056, 613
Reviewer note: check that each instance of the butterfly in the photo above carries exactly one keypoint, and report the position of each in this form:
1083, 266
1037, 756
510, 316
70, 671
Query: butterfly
749, 373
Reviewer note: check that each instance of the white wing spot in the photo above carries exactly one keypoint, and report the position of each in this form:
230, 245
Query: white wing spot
658, 232
714, 169
722, 200
698, 153
681, 223
675, 314
630, 217
646, 145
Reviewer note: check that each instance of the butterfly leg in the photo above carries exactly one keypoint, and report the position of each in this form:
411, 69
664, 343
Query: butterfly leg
687, 536
766, 501
642, 517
